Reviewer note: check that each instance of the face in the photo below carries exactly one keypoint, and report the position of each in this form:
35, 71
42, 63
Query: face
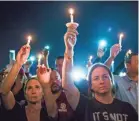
59, 64
133, 65
101, 81
33, 91
55, 82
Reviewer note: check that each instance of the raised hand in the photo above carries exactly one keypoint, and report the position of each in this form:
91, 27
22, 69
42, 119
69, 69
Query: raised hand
43, 75
71, 36
45, 52
23, 54
115, 49
28, 64
100, 52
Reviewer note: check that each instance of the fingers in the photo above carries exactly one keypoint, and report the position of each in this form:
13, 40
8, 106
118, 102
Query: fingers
70, 35
72, 31
42, 69
25, 49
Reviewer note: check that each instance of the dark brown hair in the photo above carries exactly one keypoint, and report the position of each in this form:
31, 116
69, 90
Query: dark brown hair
92, 68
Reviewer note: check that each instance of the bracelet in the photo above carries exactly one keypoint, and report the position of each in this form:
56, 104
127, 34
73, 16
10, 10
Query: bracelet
69, 57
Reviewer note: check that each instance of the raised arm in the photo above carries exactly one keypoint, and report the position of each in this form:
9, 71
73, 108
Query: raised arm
114, 51
71, 91
43, 75
7, 95
18, 84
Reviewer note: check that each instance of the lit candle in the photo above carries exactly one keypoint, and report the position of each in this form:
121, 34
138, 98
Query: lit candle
71, 11
29, 39
120, 39
39, 59
129, 51
90, 58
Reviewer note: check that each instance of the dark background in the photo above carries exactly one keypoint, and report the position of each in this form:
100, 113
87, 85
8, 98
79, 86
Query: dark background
46, 22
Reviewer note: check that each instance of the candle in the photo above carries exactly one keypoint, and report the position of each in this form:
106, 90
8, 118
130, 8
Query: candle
71, 11
90, 58
39, 59
129, 51
120, 39
29, 39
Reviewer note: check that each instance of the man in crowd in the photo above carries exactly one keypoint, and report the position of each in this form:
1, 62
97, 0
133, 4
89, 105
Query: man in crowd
127, 86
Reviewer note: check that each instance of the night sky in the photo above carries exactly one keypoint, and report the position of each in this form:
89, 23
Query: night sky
46, 22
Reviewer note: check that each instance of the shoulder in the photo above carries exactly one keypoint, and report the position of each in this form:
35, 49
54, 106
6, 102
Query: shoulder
122, 104
83, 101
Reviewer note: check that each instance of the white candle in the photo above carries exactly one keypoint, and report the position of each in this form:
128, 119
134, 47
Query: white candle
120, 39
71, 11
129, 51
39, 59
29, 39
90, 58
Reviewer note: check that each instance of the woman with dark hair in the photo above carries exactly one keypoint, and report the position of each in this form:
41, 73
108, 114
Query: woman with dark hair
92, 93
34, 91
102, 106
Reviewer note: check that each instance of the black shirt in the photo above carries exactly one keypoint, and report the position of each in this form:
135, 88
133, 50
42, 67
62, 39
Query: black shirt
92, 110
18, 113
4, 115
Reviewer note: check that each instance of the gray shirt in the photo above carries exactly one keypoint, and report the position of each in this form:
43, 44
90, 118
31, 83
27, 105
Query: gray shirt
127, 90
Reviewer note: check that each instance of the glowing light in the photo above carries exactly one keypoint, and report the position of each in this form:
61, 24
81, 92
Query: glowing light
120, 38
32, 58
90, 57
47, 47
122, 74
29, 39
78, 74
102, 43
71, 11
39, 59
129, 51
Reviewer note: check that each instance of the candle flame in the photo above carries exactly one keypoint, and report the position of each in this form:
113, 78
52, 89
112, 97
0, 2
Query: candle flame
90, 58
29, 38
129, 51
40, 56
71, 11
121, 35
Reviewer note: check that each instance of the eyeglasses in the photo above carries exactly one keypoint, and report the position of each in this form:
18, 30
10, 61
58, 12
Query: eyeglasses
103, 77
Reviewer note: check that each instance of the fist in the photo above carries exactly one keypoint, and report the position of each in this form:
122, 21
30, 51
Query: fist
23, 54
115, 49
43, 75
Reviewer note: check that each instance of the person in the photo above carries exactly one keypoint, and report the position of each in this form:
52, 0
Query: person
63, 109
27, 67
3, 112
33, 110
18, 86
127, 86
102, 106
59, 64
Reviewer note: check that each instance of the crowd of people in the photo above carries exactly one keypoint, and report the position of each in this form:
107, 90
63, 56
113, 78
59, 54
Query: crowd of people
51, 94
